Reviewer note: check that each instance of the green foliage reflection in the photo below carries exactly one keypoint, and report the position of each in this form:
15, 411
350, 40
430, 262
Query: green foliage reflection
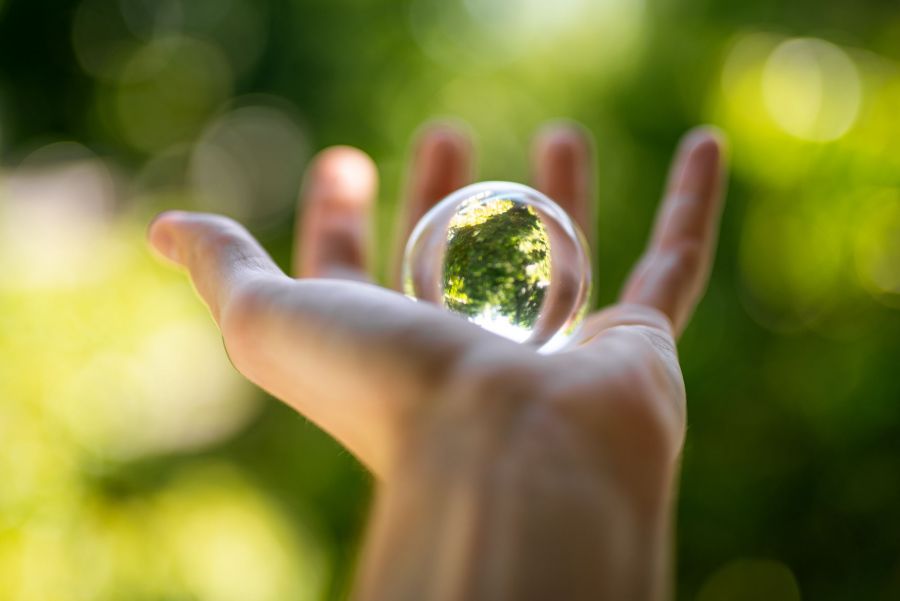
497, 263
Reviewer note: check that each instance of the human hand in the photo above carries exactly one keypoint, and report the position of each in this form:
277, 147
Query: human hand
503, 473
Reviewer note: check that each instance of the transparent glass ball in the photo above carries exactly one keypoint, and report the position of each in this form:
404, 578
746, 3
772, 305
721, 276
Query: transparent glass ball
505, 257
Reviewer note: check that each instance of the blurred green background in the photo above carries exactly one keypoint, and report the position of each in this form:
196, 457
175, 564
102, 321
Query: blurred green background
136, 465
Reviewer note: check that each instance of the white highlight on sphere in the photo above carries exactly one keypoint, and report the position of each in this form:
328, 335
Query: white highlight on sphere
505, 257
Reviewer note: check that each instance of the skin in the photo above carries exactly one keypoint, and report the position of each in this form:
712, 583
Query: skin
501, 473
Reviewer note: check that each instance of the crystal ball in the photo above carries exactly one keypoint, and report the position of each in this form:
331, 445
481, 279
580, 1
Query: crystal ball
505, 257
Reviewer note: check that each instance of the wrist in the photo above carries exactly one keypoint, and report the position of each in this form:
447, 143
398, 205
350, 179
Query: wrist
526, 513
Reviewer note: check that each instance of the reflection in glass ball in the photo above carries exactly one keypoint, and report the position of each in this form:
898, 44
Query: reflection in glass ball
505, 257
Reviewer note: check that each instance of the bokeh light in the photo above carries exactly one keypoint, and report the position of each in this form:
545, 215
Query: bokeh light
147, 19
238, 27
100, 38
106, 32
809, 245
206, 534
248, 162
811, 89
230, 544
53, 216
877, 247
751, 580
792, 259
166, 91
485, 34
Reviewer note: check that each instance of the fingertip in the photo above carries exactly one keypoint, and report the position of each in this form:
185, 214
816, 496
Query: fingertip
712, 132
161, 235
443, 139
443, 152
343, 175
563, 169
706, 142
562, 142
442, 159
699, 162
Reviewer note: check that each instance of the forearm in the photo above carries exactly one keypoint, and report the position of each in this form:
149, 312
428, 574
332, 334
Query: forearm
534, 525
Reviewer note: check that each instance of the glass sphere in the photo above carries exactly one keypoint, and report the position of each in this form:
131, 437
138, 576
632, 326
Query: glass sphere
505, 257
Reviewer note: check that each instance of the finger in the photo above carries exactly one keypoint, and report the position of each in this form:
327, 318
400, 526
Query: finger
442, 160
333, 230
219, 254
441, 163
672, 274
563, 165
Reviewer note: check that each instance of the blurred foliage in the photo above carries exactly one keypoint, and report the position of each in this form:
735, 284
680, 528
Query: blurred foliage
137, 465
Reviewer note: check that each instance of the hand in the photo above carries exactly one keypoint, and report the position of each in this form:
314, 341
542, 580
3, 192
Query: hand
503, 473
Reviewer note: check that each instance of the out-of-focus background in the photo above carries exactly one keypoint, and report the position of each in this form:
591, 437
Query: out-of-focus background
136, 465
